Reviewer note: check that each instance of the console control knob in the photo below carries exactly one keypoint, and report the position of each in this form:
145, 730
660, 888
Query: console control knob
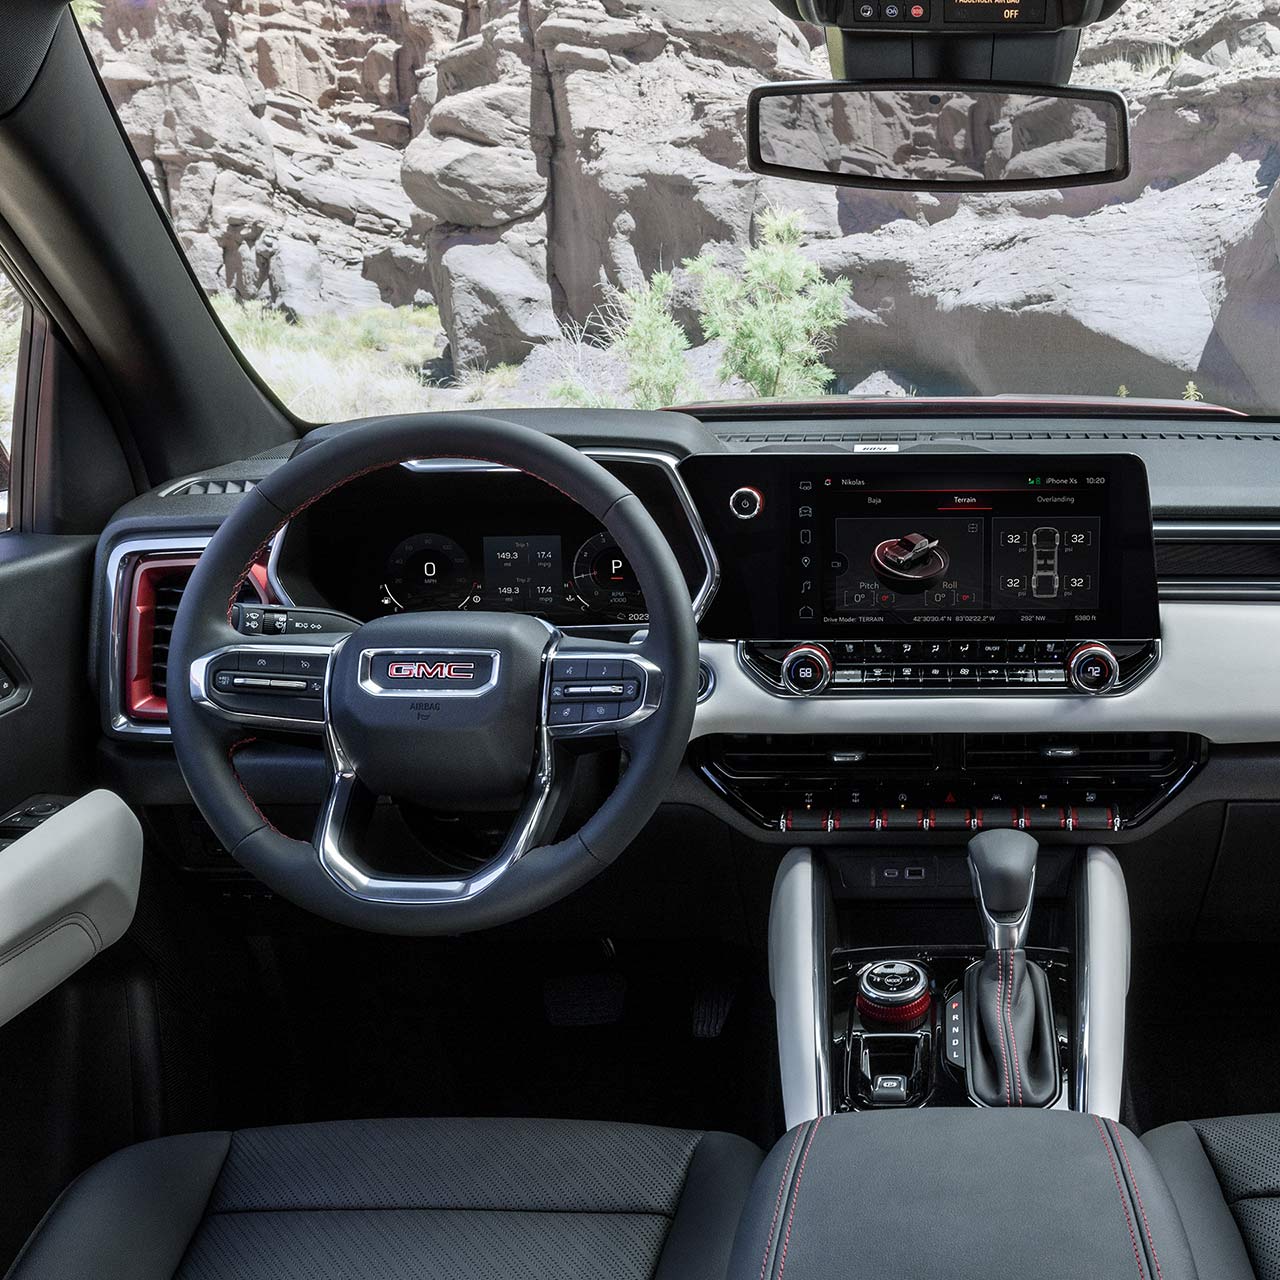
746, 503
806, 669
1092, 668
894, 991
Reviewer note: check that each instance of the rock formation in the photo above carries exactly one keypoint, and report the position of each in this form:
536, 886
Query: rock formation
513, 159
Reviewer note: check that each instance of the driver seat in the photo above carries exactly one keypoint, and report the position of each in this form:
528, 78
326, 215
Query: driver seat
448, 1199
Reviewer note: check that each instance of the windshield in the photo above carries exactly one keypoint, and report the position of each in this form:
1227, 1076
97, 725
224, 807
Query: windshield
428, 204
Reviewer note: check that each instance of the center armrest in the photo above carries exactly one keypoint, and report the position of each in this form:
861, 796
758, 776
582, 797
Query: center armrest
963, 1193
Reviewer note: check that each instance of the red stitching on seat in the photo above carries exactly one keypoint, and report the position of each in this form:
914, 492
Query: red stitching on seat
1124, 1200
1013, 1039
1137, 1195
795, 1197
777, 1208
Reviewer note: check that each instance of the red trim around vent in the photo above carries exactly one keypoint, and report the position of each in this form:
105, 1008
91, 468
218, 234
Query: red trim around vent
141, 702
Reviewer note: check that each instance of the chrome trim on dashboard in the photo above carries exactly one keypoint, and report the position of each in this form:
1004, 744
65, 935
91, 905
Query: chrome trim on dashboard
668, 462
1102, 982
1217, 677
799, 980
122, 559
1215, 531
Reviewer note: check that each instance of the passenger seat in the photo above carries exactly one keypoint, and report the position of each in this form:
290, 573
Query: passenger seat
1225, 1179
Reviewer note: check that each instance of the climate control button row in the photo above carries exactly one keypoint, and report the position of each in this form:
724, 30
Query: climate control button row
1017, 817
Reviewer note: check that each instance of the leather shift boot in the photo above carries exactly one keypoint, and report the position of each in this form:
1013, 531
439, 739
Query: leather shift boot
1013, 1048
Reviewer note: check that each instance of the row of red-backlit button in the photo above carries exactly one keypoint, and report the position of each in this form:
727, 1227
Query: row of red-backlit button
1021, 817
892, 11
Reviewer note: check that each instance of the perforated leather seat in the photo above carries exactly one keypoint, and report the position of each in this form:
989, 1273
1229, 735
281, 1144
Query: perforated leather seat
449, 1199
1225, 1179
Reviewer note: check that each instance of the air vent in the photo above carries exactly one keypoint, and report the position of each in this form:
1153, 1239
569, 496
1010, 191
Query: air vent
853, 436
154, 595
1100, 755
823, 757
1218, 561
210, 488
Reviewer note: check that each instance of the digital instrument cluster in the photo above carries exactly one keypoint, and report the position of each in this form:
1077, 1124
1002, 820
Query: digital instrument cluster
525, 573
411, 538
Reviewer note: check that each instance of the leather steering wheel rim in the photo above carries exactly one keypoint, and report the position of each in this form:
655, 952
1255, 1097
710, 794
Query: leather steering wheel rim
205, 742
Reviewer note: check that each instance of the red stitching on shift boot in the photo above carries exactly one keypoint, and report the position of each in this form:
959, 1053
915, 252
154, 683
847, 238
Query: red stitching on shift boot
1004, 1052
1013, 1039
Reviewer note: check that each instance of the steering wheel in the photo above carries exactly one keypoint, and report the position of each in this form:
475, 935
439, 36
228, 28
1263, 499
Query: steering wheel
455, 711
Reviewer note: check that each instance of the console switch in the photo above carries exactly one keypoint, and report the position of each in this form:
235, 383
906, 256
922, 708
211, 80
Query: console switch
889, 1091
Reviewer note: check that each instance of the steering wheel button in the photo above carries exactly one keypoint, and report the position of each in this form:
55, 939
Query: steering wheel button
630, 690
598, 711
569, 669
604, 670
259, 660
565, 713
304, 664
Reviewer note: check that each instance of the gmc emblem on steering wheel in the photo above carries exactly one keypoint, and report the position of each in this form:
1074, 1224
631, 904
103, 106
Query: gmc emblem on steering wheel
431, 670
442, 673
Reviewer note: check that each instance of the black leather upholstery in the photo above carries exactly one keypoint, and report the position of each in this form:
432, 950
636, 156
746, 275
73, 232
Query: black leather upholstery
1225, 1177
963, 1194
445, 1199
1013, 1047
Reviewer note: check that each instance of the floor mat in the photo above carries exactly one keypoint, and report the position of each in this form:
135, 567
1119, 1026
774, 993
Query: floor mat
675, 1035
1203, 1035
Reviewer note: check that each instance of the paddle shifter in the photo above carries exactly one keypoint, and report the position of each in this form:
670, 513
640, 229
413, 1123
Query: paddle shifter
1013, 1047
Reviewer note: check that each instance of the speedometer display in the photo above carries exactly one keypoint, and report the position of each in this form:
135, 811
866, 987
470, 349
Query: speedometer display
605, 580
429, 571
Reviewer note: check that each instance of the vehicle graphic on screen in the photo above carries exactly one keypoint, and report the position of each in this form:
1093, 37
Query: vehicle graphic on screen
1045, 581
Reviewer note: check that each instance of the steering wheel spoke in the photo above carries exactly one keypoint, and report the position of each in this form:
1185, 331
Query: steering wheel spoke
348, 808
267, 684
599, 689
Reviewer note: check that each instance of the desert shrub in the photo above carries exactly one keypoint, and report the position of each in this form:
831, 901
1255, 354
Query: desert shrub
653, 344
777, 316
338, 364
635, 327
88, 13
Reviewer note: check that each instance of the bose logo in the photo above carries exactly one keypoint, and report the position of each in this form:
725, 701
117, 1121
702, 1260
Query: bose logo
431, 671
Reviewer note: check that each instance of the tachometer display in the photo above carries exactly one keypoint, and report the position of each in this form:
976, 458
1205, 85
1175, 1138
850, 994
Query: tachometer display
429, 571
605, 580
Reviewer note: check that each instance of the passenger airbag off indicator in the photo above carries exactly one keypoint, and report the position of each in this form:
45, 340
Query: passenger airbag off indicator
1018, 11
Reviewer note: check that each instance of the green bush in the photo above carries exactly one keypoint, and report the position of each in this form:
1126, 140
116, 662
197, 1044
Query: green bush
653, 344
339, 364
777, 316
88, 13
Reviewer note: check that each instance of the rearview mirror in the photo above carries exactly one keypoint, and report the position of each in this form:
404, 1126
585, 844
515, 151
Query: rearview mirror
918, 136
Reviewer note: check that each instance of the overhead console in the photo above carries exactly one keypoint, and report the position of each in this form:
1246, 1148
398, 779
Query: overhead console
948, 573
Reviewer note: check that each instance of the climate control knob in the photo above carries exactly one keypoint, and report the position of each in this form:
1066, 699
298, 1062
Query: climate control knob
806, 669
1092, 668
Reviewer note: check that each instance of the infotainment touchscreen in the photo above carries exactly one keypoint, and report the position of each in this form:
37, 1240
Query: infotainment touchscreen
815, 545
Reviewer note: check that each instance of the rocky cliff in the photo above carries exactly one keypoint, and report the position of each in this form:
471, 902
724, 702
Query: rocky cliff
511, 159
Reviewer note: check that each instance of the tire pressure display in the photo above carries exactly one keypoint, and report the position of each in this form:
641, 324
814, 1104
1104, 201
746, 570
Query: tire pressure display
1039, 545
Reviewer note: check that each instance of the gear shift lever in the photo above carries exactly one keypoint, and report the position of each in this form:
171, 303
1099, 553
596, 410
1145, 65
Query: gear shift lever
1013, 1045
1002, 867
